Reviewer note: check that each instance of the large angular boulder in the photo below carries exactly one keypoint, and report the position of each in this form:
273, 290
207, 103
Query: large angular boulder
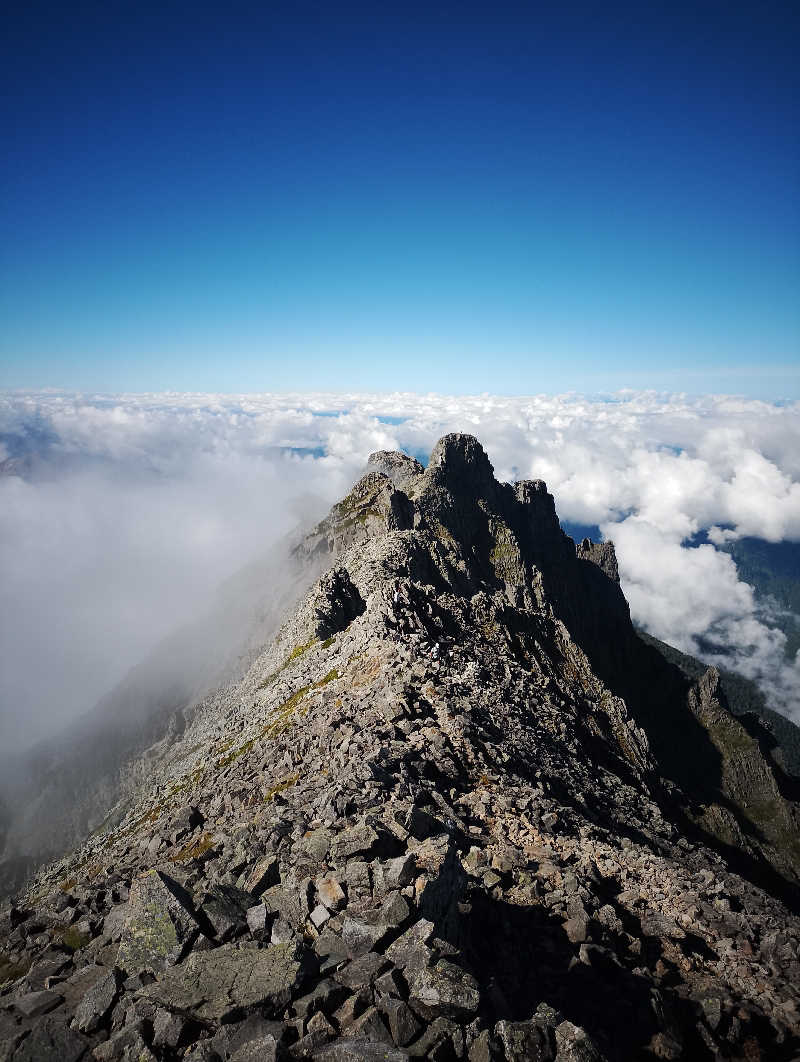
360, 839
52, 1038
526, 1041
96, 1004
262, 875
213, 986
359, 1051
160, 927
34, 1004
444, 990
224, 908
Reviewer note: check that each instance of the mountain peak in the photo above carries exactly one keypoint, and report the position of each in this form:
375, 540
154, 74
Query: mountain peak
455, 810
459, 459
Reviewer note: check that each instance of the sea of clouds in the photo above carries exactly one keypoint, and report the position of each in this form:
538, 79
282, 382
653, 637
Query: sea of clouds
120, 515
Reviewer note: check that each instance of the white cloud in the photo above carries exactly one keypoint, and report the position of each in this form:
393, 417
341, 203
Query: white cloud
140, 504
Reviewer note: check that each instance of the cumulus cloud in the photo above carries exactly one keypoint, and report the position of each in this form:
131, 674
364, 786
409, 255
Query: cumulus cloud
120, 514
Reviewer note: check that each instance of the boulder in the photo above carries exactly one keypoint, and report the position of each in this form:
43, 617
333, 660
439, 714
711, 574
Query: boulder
224, 908
52, 1038
241, 1039
129, 1045
403, 1023
444, 990
526, 1041
289, 902
359, 1051
213, 986
93, 1009
330, 892
160, 927
34, 1004
263, 874
410, 949
167, 1029
358, 840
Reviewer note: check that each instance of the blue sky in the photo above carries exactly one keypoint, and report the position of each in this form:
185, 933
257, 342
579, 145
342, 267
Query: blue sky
480, 198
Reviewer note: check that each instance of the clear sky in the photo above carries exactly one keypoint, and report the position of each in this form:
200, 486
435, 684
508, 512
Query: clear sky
453, 197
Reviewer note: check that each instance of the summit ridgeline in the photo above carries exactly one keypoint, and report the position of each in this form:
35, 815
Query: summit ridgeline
457, 809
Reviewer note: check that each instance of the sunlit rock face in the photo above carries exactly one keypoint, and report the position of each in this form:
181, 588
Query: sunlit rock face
454, 809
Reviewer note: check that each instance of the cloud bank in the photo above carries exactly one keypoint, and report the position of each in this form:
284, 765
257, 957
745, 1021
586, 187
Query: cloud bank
119, 515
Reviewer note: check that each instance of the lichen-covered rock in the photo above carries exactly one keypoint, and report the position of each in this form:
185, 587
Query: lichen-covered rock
359, 1051
212, 986
160, 927
526, 1041
444, 991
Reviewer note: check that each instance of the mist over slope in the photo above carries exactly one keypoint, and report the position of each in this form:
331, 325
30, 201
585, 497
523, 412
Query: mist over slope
120, 514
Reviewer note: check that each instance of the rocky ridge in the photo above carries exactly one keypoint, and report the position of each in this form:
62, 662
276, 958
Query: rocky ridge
442, 816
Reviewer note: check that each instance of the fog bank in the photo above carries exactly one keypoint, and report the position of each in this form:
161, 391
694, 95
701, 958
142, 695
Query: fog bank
119, 515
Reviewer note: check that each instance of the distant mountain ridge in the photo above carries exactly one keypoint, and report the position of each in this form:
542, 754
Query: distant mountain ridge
743, 697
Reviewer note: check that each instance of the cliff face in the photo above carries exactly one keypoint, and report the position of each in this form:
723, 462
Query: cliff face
456, 809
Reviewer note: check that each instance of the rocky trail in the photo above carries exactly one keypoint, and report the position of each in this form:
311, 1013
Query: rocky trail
455, 810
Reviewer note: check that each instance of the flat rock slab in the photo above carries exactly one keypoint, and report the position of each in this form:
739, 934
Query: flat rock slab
214, 985
358, 840
359, 1051
160, 925
95, 1005
33, 1004
264, 874
52, 1038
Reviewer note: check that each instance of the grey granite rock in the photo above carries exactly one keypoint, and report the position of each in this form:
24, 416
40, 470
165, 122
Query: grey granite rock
51, 1038
34, 1004
444, 991
213, 986
160, 926
93, 1009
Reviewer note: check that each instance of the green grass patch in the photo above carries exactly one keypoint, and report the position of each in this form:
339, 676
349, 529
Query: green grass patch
224, 761
287, 783
71, 938
332, 674
12, 971
298, 650
295, 654
194, 849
